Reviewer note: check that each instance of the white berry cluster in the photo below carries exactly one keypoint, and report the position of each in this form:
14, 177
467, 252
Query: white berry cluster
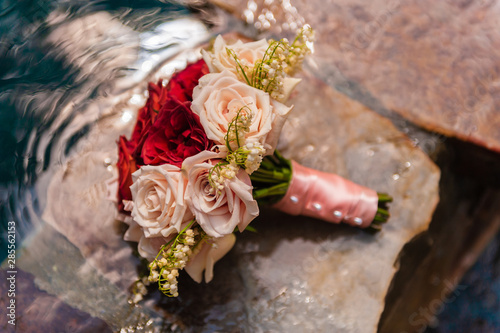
238, 128
139, 290
281, 59
274, 74
219, 174
301, 46
243, 153
165, 268
254, 154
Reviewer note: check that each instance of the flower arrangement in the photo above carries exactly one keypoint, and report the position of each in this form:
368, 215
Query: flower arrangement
202, 156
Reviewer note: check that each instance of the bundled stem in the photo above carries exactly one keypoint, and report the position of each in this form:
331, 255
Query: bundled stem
272, 179
382, 214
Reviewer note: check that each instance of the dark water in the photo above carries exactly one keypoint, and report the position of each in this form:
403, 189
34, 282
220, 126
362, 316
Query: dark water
39, 130
38, 82
475, 305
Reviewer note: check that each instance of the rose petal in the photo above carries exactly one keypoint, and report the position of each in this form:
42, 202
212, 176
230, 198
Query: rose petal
208, 256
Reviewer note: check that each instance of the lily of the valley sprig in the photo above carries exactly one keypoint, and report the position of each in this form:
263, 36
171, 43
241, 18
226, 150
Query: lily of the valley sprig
280, 59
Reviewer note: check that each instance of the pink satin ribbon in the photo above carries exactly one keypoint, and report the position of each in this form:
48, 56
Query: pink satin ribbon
328, 197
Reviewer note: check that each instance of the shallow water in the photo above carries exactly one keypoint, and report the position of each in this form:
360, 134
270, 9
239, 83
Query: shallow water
54, 66
62, 64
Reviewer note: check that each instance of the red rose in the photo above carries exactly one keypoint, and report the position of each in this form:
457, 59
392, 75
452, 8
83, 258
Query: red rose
181, 85
126, 166
146, 115
175, 135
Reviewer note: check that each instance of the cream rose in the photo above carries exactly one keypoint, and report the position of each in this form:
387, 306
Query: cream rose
248, 54
209, 254
219, 60
218, 213
217, 100
147, 247
158, 197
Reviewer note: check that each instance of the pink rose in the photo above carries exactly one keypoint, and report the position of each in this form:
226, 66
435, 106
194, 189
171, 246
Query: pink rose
147, 247
218, 60
158, 196
221, 212
219, 97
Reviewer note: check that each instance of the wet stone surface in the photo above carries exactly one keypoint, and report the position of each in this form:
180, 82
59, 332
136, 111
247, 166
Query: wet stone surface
435, 63
39, 311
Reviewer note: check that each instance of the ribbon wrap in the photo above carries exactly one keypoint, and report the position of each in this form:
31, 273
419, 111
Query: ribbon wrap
328, 197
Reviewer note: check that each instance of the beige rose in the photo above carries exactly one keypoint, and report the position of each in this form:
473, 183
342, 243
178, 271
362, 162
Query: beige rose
221, 212
217, 100
209, 254
147, 247
219, 60
248, 54
158, 196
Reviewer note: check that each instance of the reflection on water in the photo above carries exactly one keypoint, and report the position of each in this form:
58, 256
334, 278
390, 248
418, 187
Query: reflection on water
64, 65
57, 59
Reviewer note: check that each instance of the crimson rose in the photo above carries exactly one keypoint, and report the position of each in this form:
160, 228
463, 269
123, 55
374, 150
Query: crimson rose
176, 135
126, 167
181, 85
147, 114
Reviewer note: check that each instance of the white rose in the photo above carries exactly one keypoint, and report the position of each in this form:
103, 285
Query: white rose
218, 213
158, 196
248, 54
217, 100
148, 247
219, 60
209, 254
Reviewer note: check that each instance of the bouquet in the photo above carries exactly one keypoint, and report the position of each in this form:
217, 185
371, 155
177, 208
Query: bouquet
202, 157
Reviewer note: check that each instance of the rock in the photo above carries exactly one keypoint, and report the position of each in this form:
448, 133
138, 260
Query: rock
337, 277
434, 63
39, 312
431, 275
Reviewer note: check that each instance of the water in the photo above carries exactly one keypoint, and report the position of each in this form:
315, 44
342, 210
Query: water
64, 64
49, 79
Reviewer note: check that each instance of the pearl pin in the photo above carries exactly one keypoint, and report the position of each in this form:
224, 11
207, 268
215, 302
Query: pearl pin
358, 221
337, 214
317, 206
294, 199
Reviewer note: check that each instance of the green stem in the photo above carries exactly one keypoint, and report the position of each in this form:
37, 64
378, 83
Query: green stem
382, 215
279, 189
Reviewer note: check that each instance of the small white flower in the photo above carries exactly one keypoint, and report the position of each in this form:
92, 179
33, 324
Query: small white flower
137, 298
